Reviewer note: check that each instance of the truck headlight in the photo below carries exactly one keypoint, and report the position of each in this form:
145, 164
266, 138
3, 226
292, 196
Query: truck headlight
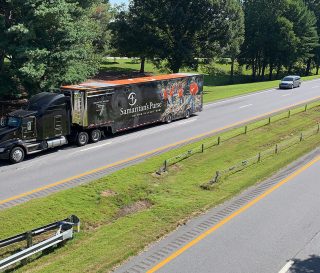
2, 150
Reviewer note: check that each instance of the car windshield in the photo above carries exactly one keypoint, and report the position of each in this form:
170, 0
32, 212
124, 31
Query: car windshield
13, 122
288, 79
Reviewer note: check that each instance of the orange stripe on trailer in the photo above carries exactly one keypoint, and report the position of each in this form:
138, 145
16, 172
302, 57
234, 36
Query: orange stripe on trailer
94, 84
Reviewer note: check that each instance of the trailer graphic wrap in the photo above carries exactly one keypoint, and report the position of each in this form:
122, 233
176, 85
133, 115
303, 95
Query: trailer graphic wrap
182, 95
126, 105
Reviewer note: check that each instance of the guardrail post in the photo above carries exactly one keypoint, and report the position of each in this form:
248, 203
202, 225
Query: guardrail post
219, 140
259, 157
269, 122
306, 108
276, 149
318, 130
289, 114
301, 137
202, 148
246, 129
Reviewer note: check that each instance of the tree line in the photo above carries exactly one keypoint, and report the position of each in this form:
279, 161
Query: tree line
46, 43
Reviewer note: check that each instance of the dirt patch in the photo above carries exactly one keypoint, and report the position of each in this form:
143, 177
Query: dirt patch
108, 193
133, 208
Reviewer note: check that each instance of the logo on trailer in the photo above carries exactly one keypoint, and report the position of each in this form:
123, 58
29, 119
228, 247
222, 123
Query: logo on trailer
132, 99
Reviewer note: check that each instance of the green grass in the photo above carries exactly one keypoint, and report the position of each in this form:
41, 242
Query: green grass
107, 239
216, 87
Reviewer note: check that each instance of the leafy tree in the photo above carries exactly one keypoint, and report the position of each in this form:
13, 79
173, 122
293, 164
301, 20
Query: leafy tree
131, 37
178, 32
236, 32
314, 5
47, 43
278, 33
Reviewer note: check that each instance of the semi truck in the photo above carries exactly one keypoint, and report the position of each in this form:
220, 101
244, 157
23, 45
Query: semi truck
86, 112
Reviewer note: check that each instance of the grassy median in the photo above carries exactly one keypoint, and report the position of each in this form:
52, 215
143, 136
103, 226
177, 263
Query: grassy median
127, 210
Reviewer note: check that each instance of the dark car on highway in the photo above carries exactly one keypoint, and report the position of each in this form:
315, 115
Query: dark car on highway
290, 82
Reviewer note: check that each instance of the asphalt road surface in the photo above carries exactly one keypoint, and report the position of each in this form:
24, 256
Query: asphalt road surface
276, 230
52, 170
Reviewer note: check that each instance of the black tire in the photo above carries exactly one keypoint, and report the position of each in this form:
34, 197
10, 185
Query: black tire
169, 119
292, 86
95, 136
82, 139
16, 155
187, 114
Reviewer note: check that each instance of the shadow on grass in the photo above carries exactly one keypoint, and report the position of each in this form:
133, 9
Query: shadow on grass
118, 73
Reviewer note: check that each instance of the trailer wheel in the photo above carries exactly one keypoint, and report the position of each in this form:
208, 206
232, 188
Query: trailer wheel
95, 136
169, 118
82, 139
17, 155
187, 114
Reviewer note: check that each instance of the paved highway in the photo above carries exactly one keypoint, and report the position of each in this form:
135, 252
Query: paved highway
40, 173
271, 228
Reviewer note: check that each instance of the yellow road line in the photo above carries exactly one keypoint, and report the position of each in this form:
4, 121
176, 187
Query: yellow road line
152, 152
230, 217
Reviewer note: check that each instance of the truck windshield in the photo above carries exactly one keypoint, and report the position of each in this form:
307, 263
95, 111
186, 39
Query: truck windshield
13, 122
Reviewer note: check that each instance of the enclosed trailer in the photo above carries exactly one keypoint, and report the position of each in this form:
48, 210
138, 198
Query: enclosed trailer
125, 104
82, 113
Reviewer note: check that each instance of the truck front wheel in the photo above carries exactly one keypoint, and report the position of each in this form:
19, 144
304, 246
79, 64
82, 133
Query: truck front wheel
16, 155
95, 136
82, 139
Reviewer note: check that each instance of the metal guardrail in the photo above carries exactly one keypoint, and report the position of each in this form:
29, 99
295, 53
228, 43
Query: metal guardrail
64, 231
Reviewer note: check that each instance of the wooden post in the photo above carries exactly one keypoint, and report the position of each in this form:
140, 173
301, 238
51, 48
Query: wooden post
301, 137
306, 107
318, 130
269, 120
219, 140
246, 129
259, 157
276, 150
29, 239
289, 114
165, 166
202, 148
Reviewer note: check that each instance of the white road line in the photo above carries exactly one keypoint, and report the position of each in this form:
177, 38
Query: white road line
245, 106
210, 104
314, 87
286, 267
95, 147
285, 95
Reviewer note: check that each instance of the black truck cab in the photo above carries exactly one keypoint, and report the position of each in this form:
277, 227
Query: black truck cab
43, 124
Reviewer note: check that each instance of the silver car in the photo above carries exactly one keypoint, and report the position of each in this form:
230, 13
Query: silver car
290, 82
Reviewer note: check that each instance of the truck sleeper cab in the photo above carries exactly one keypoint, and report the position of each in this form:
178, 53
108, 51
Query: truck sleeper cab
82, 113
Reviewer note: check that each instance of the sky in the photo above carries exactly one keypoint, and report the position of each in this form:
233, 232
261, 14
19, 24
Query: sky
118, 2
